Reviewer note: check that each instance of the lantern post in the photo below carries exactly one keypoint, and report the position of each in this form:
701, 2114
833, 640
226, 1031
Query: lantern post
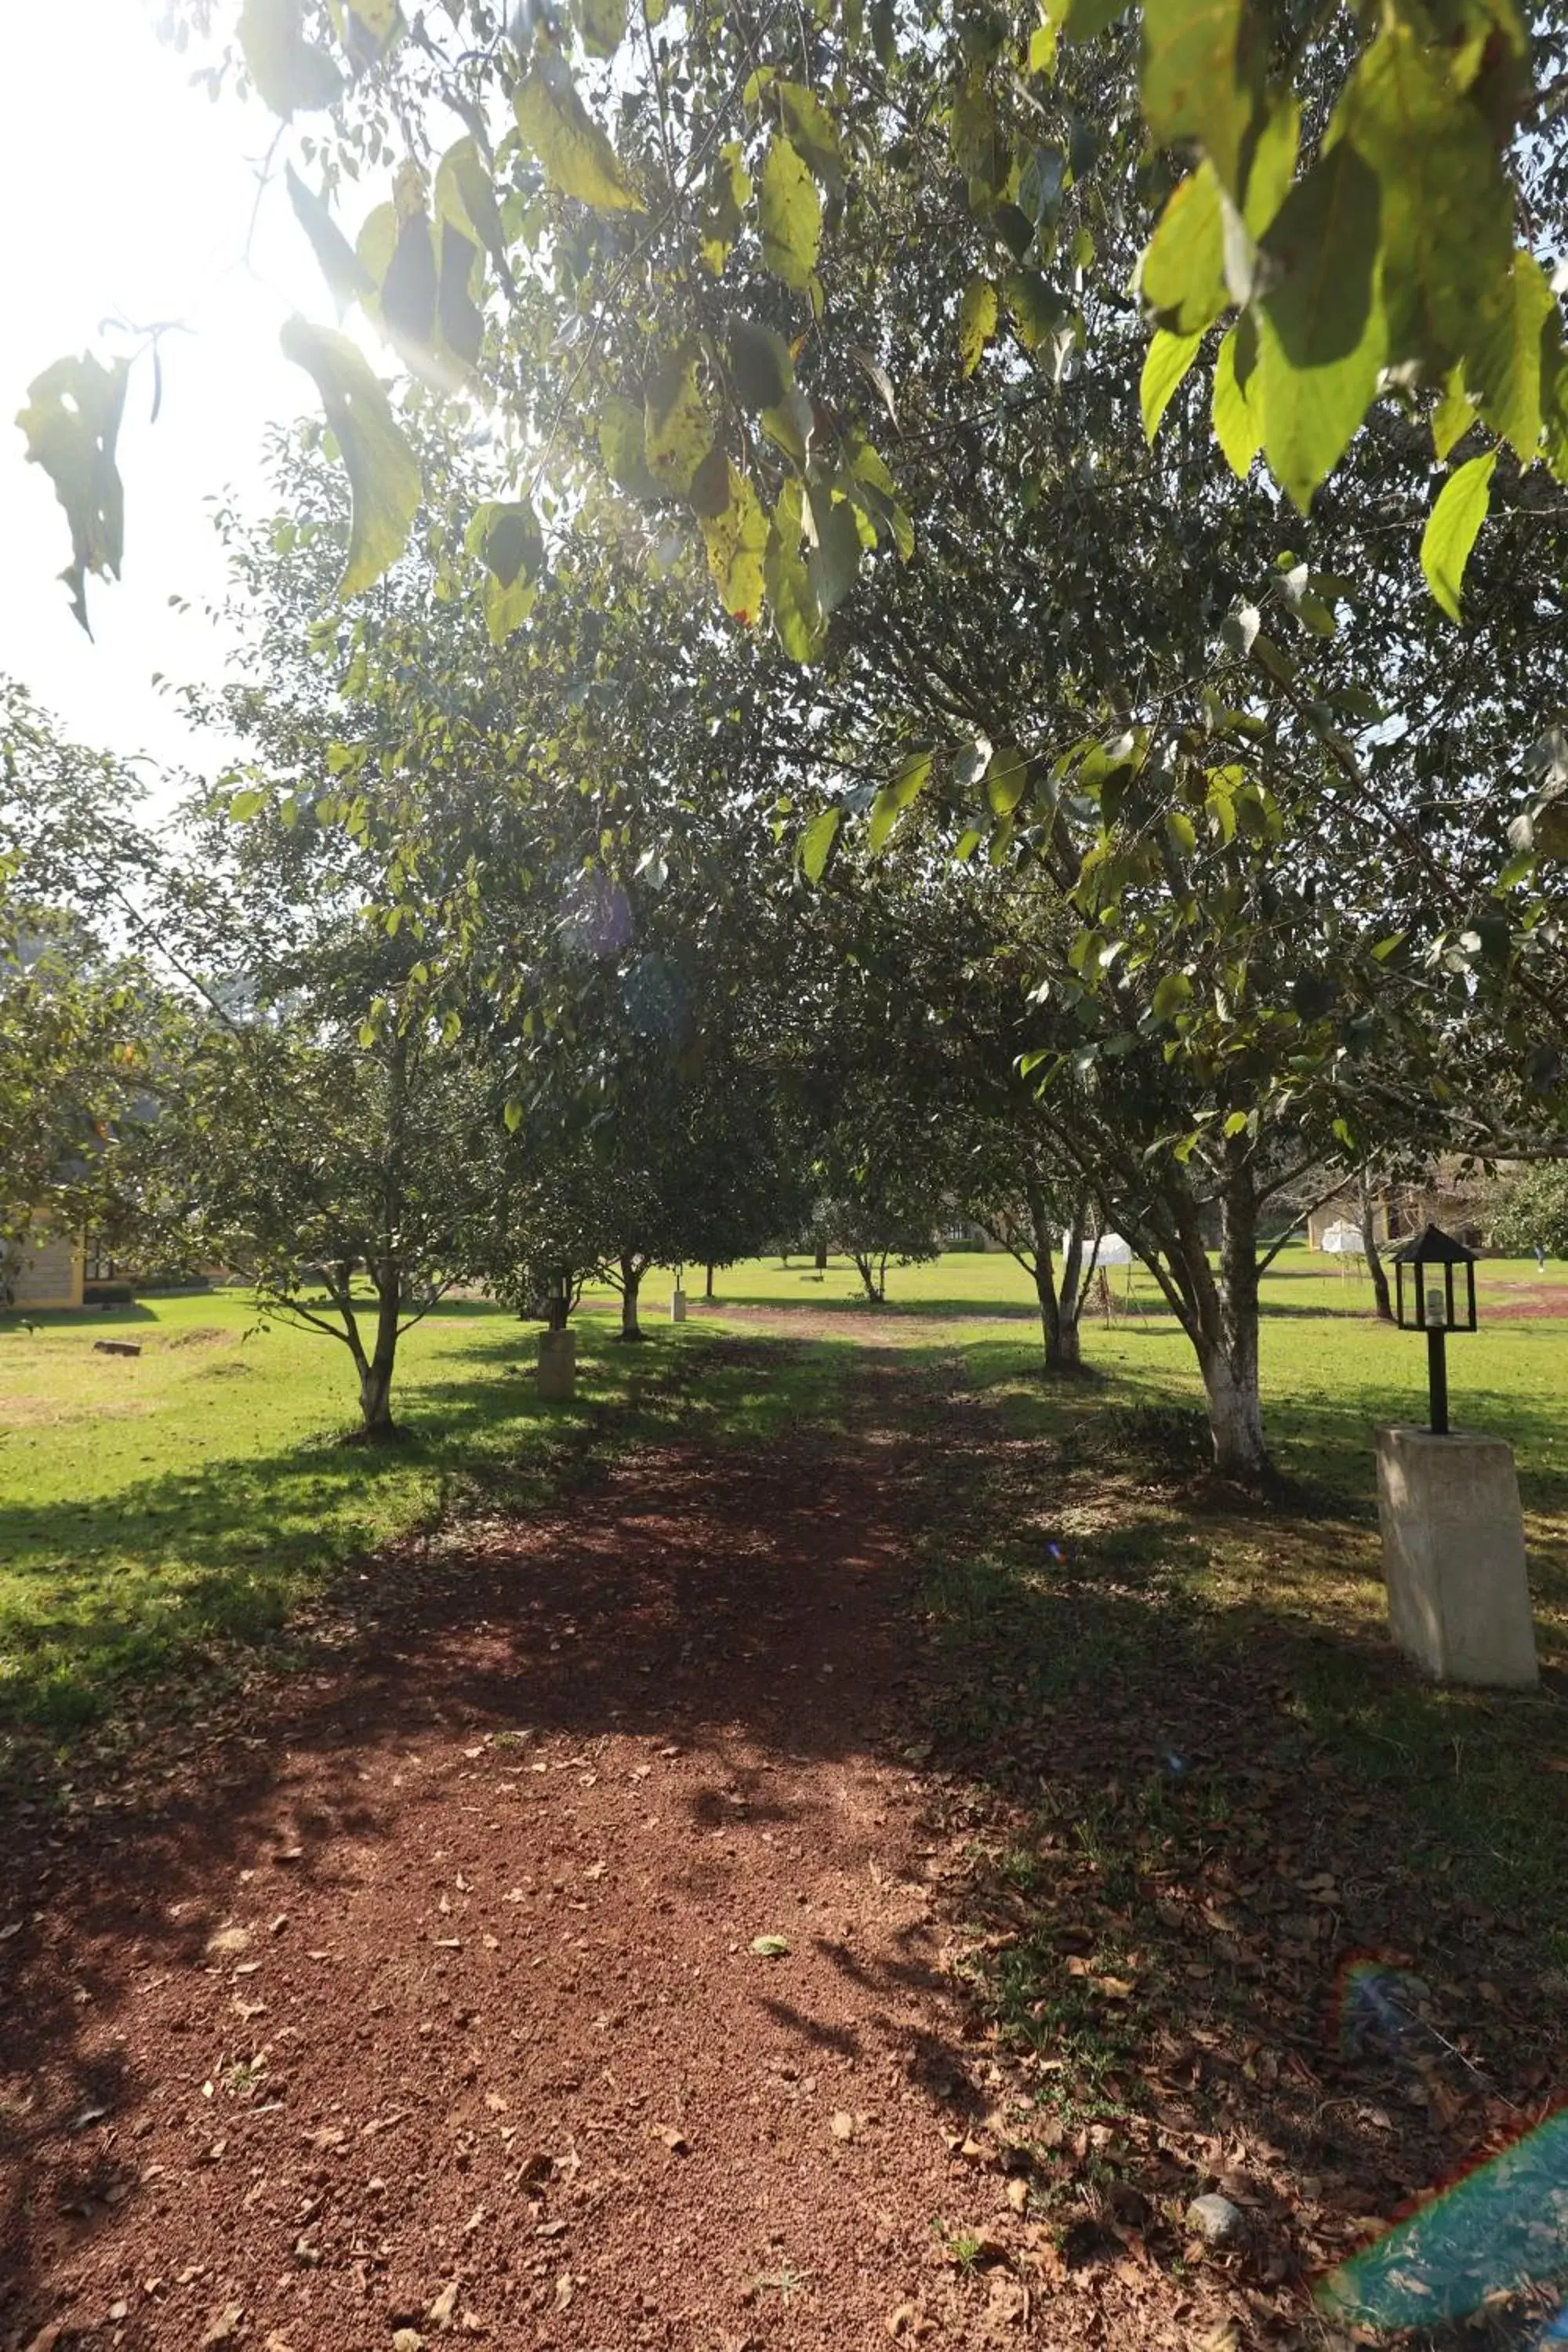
1453, 1532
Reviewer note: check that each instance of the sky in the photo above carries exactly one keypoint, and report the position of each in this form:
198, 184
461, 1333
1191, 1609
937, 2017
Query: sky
127, 193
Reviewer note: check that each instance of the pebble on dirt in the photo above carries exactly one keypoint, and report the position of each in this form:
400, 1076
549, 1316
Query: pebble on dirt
1217, 2221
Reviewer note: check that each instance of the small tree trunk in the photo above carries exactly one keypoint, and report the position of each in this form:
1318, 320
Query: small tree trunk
819, 1258
1228, 1354
376, 1375
1369, 1251
631, 1282
868, 1280
708, 1285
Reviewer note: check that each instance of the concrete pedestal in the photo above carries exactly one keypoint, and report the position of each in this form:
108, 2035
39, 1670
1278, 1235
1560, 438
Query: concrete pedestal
1453, 1554
677, 1305
557, 1366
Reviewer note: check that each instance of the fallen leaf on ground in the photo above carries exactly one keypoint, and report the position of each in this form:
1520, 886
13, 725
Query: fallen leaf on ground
227, 1940
1018, 2195
226, 2325
440, 2312
675, 2141
771, 1947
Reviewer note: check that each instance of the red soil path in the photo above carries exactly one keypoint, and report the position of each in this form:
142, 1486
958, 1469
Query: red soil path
425, 1984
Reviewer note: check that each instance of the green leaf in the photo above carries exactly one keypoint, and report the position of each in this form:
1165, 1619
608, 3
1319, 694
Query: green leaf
1446, 228
895, 797
1037, 307
383, 471
513, 1117
348, 279
791, 425
735, 534
772, 1947
72, 423
677, 432
621, 447
508, 540
1271, 166
1079, 20
465, 195
1182, 274
461, 319
798, 619
1322, 337
576, 156
1502, 367
291, 75
602, 23
835, 561
1199, 79
818, 840
812, 130
1452, 419
1451, 527
1165, 363
790, 214
1237, 426
977, 322
760, 364
1174, 991
1006, 779
408, 290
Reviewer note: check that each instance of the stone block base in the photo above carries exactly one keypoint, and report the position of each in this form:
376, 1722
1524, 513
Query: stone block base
1453, 1554
557, 1366
677, 1305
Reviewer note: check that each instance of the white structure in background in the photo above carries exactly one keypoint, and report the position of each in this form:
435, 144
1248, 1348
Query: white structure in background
1343, 1241
1112, 1250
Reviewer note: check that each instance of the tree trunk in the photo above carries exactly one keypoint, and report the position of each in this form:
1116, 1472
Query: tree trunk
708, 1288
820, 1257
1374, 1264
863, 1269
1227, 1351
631, 1282
375, 1373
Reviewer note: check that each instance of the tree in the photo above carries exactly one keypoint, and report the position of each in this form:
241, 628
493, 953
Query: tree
1534, 1212
1341, 197
319, 1160
84, 1026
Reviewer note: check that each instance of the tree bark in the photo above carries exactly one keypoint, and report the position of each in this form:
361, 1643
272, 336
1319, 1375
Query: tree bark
1064, 1346
631, 1282
820, 1257
863, 1268
1369, 1251
708, 1288
1228, 1350
376, 1372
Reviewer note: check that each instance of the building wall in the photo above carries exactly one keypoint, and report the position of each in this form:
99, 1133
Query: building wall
48, 1275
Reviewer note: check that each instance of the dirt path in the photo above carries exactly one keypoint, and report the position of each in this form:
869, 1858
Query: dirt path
434, 1988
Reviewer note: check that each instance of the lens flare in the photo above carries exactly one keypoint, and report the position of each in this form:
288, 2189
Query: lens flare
1501, 2228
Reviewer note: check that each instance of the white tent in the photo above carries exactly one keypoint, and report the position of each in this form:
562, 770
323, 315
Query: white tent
1344, 1240
1112, 1250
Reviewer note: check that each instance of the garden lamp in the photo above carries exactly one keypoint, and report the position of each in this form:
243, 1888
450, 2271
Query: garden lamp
1436, 1304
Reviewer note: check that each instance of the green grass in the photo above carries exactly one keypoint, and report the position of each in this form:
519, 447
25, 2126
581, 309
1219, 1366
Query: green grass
184, 1501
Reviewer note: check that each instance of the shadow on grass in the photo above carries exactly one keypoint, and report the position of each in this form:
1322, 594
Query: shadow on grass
173, 1573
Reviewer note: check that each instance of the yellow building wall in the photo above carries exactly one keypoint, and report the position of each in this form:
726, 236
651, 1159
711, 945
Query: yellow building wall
51, 1274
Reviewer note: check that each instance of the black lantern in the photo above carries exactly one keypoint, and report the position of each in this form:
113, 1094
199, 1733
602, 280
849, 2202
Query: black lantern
559, 1301
1439, 1301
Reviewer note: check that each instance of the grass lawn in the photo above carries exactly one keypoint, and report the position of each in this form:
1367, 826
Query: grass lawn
189, 1497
